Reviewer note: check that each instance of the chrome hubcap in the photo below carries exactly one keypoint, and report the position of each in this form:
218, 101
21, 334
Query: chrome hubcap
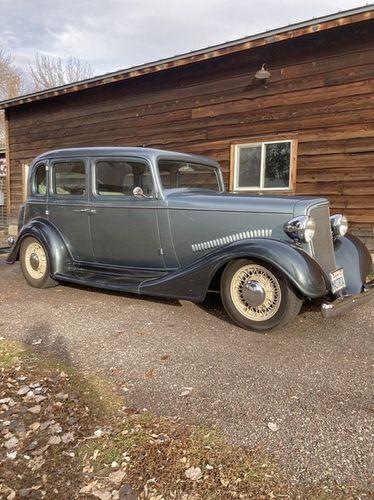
255, 292
34, 261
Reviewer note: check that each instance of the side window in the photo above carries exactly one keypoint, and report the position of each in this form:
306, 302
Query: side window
39, 183
69, 178
119, 178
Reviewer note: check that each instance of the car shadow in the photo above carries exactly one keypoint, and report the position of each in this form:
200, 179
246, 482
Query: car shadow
213, 305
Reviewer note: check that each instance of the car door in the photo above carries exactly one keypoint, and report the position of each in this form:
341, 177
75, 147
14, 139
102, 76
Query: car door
68, 205
124, 228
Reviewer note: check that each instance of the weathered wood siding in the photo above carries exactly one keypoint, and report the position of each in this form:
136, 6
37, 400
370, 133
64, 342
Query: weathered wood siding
321, 91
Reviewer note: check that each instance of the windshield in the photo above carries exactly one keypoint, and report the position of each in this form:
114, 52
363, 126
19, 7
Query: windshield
181, 174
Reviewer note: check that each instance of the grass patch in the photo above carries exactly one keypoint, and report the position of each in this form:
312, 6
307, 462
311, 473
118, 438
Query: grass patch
72, 439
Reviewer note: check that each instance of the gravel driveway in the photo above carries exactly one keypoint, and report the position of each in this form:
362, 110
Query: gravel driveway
314, 379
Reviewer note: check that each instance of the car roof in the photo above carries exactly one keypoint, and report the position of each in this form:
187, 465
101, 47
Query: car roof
147, 153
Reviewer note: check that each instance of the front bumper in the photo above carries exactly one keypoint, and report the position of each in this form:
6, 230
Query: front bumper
348, 302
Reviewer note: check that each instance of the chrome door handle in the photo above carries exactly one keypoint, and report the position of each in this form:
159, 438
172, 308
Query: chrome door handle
92, 211
85, 210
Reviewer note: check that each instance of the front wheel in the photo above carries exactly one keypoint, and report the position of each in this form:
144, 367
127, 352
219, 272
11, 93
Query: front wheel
34, 264
257, 297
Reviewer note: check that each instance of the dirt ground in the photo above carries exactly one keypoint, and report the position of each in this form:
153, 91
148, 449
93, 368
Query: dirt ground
314, 379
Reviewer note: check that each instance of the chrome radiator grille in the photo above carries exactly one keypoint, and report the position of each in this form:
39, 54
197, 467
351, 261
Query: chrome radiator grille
322, 245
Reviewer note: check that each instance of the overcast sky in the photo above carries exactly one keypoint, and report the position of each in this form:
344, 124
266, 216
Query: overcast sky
116, 34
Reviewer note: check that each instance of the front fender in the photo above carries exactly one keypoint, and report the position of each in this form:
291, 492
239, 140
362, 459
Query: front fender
192, 281
353, 256
48, 235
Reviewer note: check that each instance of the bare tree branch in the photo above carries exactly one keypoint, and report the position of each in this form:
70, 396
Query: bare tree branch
11, 83
47, 72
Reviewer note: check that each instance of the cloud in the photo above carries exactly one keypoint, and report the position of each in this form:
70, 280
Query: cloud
115, 34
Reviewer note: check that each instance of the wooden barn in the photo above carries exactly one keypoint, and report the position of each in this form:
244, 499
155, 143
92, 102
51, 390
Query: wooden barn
302, 94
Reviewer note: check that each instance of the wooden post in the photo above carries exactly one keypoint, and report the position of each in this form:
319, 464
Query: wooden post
7, 162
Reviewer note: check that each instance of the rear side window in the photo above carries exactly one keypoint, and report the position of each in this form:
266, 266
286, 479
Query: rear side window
40, 180
119, 178
69, 178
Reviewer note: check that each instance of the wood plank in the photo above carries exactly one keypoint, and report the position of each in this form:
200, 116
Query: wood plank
184, 119
153, 100
147, 135
9, 172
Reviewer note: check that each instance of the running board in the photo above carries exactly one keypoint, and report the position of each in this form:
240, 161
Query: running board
109, 281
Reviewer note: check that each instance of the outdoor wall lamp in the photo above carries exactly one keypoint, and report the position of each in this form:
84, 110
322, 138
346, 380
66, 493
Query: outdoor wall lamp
263, 74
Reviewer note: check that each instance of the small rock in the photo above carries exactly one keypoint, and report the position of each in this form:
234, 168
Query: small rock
54, 440
39, 398
272, 426
62, 395
193, 473
12, 455
35, 409
98, 433
186, 392
11, 443
209, 467
32, 446
68, 437
55, 429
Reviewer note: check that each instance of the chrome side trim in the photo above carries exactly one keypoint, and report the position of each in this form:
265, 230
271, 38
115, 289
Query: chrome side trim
226, 240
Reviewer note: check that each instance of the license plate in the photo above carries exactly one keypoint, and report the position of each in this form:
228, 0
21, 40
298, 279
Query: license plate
337, 280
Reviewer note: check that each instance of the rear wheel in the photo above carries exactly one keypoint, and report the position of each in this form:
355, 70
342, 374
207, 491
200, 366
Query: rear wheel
257, 297
34, 264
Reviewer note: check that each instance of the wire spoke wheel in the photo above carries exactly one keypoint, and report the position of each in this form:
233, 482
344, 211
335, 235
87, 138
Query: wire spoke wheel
266, 285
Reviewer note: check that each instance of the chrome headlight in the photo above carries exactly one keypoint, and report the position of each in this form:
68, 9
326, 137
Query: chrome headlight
301, 228
339, 224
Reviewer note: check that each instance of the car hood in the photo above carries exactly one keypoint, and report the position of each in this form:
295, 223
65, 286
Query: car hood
200, 199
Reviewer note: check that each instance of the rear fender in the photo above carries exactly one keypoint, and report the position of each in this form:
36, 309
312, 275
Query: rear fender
48, 235
192, 282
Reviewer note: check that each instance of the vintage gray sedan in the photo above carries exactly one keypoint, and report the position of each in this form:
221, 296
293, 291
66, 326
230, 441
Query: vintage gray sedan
160, 223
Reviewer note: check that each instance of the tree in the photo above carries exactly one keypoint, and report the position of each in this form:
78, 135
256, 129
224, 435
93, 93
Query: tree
48, 72
11, 83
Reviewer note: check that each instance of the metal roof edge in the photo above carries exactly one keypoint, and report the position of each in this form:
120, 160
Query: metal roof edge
162, 64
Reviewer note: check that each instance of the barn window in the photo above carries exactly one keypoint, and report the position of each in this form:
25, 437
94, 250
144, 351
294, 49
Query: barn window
261, 166
69, 178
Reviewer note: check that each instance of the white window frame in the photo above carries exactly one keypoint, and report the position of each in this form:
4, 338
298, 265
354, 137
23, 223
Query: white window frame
263, 144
